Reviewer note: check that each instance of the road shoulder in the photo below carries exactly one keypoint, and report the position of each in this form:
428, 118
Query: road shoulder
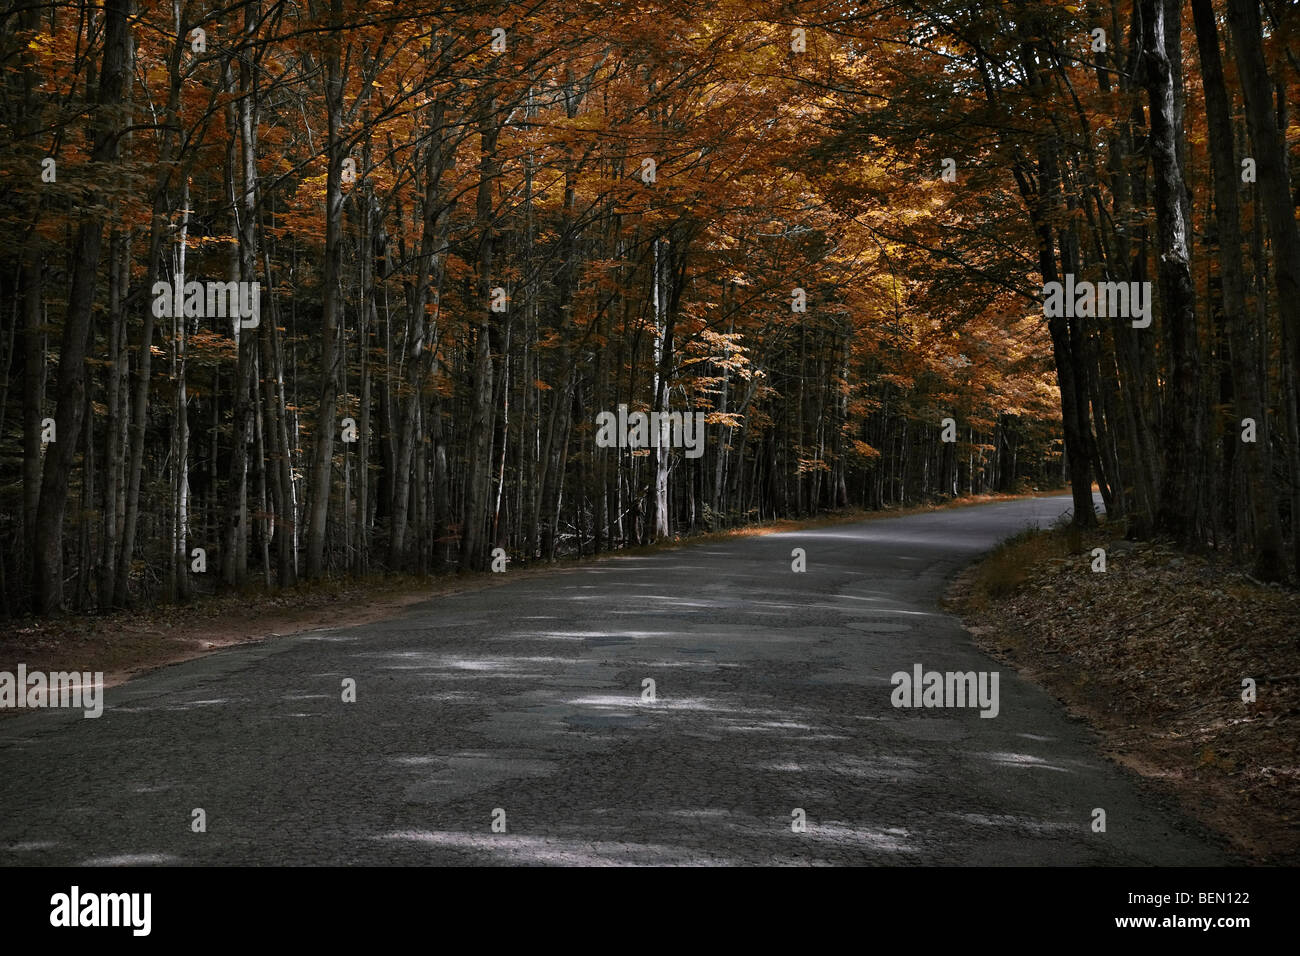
1152, 654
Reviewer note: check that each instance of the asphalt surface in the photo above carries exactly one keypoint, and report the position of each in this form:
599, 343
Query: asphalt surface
772, 694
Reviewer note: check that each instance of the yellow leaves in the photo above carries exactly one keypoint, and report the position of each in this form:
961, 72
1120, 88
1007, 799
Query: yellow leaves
729, 419
312, 188
206, 346
209, 242
863, 451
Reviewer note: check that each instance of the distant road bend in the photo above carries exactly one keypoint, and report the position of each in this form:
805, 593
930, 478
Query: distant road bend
526, 704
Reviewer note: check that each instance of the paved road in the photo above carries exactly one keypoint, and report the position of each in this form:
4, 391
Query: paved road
772, 693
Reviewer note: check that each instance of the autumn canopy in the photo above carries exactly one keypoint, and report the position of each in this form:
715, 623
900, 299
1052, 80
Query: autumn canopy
289, 290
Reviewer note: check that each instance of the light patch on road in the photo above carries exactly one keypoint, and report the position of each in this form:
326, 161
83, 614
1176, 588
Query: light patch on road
561, 852
884, 767
1013, 822
765, 726
881, 610
672, 600
633, 635
1022, 760
30, 846
179, 708
577, 636
619, 702
659, 664
782, 767
509, 666
465, 664
131, 859
835, 831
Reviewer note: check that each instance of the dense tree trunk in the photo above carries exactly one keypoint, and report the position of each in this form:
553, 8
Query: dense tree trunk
1177, 512
474, 528
1269, 153
47, 583
1258, 457
322, 464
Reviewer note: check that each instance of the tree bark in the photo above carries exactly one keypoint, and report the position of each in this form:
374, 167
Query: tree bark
1177, 512
322, 466
47, 583
473, 532
1246, 388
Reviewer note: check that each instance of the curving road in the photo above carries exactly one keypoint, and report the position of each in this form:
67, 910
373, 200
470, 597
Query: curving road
772, 693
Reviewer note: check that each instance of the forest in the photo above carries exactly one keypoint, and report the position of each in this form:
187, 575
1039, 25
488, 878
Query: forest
336, 287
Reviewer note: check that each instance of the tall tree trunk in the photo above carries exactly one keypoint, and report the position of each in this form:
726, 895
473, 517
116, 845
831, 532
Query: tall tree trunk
1246, 389
472, 553
1273, 184
663, 359
421, 334
322, 465
140, 396
115, 426
34, 374
32, 280
47, 583
1177, 512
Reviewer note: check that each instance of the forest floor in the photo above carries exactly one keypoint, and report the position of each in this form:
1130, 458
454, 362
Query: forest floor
1153, 654
123, 644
